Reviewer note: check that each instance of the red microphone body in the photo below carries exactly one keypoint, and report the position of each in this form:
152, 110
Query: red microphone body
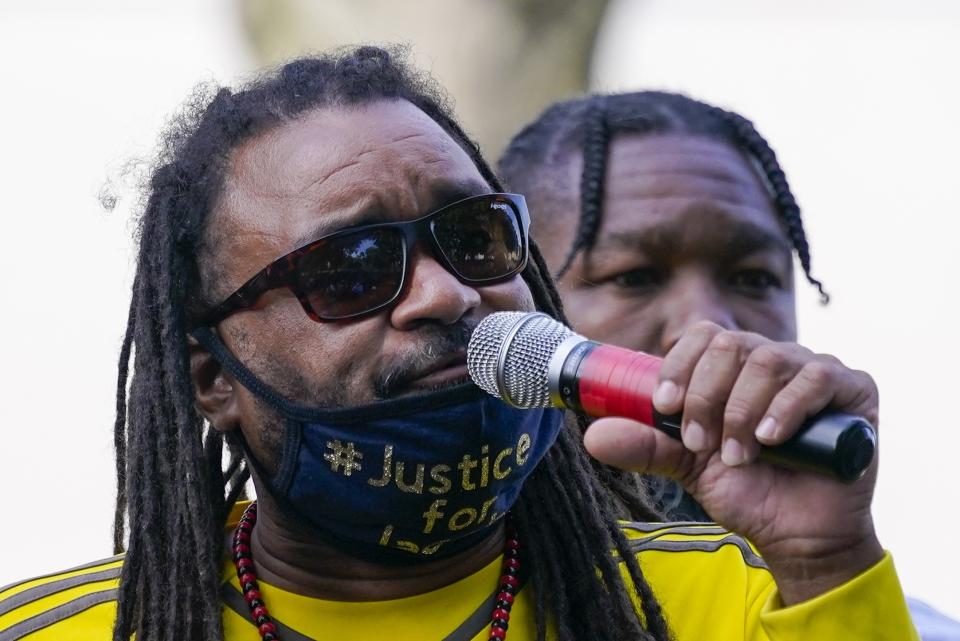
603, 380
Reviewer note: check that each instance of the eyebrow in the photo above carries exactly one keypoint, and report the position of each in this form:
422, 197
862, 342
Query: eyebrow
442, 193
737, 239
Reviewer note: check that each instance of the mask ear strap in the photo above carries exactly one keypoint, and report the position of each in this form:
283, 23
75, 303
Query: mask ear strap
213, 344
279, 483
291, 438
356, 415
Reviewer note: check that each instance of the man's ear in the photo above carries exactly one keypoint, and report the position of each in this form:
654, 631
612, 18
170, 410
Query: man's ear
214, 390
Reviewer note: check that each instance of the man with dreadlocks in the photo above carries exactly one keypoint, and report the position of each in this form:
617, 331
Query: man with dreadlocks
657, 214
395, 500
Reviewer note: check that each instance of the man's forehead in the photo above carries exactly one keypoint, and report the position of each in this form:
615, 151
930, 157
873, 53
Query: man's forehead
683, 165
331, 147
672, 189
341, 160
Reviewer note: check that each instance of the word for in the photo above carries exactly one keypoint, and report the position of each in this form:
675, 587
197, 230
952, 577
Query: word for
459, 520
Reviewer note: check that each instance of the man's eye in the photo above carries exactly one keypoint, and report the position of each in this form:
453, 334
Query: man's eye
755, 281
638, 279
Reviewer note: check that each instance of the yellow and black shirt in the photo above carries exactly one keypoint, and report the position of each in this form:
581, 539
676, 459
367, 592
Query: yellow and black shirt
711, 584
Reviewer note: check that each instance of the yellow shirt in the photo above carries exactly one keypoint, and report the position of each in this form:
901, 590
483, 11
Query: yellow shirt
711, 584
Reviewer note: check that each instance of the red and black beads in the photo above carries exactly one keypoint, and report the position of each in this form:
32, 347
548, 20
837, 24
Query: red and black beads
243, 560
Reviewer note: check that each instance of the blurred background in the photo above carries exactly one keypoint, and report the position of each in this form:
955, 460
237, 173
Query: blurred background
859, 98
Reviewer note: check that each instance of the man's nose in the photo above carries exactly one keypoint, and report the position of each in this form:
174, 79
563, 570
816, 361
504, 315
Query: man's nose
693, 301
431, 295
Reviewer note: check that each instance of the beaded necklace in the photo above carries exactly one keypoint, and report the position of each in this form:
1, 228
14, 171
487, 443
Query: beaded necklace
243, 560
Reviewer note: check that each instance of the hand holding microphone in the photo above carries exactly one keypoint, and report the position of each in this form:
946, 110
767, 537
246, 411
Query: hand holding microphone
531, 360
813, 532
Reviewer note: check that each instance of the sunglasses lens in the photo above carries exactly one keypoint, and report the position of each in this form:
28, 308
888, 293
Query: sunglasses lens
481, 239
353, 273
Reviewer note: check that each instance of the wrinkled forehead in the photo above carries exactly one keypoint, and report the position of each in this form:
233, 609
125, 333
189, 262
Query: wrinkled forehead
342, 157
662, 191
682, 186
333, 167
713, 164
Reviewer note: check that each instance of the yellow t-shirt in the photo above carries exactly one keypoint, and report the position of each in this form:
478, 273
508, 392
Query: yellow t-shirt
711, 584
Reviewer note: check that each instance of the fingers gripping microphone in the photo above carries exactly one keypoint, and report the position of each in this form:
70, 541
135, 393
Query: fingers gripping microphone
531, 360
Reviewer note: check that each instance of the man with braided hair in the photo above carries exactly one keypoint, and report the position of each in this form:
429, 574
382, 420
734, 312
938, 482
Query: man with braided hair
316, 248
658, 213
674, 212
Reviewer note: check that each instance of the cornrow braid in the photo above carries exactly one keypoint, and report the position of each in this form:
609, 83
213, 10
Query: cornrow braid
174, 494
595, 142
587, 125
758, 148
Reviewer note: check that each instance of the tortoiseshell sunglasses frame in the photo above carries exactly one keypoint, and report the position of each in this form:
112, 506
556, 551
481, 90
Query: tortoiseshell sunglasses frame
282, 272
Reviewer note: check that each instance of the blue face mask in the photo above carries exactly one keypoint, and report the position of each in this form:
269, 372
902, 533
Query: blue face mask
412, 478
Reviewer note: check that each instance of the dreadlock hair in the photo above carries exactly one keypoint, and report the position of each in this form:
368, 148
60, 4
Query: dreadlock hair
171, 483
588, 124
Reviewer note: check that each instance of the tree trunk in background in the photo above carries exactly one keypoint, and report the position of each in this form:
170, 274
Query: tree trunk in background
502, 61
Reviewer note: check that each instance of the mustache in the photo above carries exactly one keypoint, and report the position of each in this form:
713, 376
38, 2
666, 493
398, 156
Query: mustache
433, 344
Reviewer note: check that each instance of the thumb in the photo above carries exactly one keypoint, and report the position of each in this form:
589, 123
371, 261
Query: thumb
636, 447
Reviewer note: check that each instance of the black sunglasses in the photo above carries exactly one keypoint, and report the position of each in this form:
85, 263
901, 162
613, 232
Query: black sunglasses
481, 240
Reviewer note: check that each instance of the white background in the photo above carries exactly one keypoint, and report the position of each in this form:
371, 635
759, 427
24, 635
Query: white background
860, 100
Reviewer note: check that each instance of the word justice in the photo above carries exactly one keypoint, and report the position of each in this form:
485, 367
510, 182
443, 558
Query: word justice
472, 473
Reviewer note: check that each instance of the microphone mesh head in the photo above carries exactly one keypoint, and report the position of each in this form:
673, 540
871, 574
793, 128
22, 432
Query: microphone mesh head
522, 381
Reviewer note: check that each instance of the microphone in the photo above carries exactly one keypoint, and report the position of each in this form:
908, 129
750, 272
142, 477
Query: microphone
531, 360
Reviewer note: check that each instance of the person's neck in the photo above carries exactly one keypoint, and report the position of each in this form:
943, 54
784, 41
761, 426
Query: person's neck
288, 558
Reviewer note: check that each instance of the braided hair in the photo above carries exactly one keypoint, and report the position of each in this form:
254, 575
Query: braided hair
173, 491
588, 124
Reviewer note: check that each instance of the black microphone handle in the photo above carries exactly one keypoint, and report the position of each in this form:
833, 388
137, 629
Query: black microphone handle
831, 443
